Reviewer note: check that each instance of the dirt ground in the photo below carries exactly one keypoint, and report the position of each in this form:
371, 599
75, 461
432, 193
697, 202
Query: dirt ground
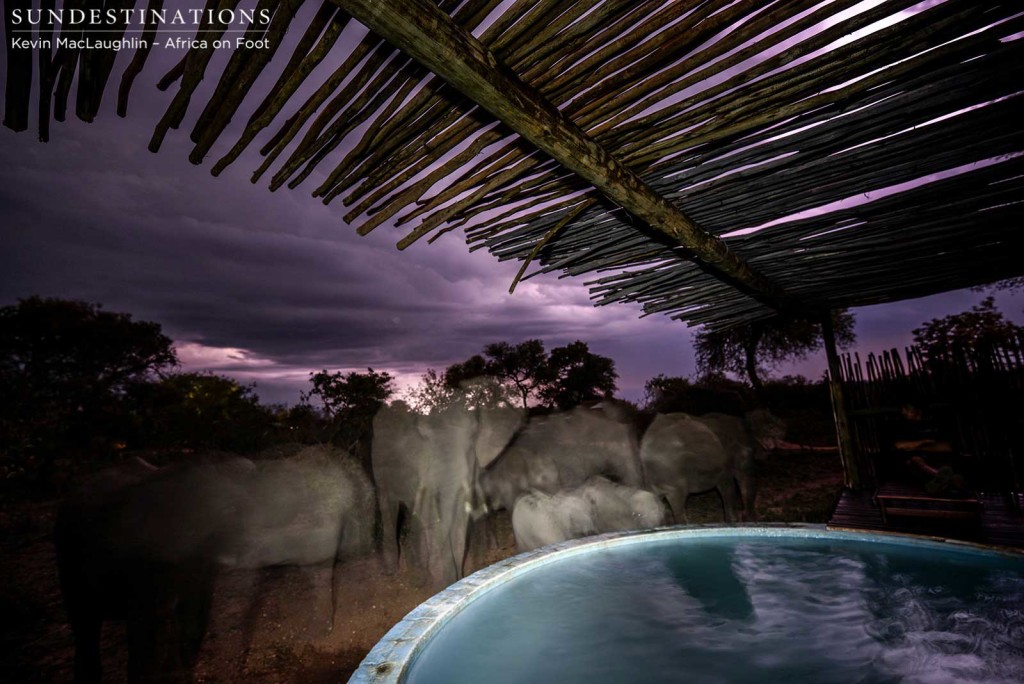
277, 625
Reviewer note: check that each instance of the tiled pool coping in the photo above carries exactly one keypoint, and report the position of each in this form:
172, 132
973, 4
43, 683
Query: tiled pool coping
393, 654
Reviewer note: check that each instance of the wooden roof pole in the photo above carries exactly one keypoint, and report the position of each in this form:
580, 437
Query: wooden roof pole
847, 450
427, 34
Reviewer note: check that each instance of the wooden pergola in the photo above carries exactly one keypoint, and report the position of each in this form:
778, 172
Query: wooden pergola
716, 161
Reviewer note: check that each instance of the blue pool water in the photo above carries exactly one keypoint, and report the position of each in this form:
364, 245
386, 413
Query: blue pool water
738, 609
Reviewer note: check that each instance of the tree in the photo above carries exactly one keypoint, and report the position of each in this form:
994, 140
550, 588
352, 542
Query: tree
1009, 285
519, 372
432, 393
299, 423
576, 375
63, 367
711, 393
198, 411
524, 365
350, 402
753, 349
983, 325
436, 392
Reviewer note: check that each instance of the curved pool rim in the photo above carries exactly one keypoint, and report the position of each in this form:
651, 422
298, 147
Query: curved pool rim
392, 656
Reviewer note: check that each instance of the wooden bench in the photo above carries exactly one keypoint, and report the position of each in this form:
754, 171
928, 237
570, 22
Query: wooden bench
911, 501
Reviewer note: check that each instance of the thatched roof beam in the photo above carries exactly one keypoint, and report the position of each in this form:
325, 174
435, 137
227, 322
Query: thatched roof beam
18, 91
66, 63
575, 43
173, 74
321, 141
47, 69
629, 68
325, 28
422, 31
278, 143
807, 87
134, 67
96, 64
241, 72
195, 68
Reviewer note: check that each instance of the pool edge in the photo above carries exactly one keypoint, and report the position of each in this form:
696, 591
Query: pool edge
389, 659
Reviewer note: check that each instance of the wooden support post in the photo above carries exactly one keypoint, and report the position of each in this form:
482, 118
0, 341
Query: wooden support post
428, 35
851, 469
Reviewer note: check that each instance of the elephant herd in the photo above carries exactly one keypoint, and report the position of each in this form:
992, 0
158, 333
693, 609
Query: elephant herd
560, 476
143, 544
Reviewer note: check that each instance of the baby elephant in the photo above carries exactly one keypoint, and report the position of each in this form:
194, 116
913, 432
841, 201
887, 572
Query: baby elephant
597, 506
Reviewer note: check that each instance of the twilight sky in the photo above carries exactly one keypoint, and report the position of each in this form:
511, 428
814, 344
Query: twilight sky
266, 287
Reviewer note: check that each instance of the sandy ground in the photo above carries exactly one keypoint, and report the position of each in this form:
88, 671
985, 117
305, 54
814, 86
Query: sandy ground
277, 625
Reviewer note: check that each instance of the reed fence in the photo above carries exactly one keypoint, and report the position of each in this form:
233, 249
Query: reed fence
971, 397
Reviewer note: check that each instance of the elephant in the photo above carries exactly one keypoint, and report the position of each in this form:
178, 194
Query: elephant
738, 441
314, 507
425, 468
597, 506
145, 545
681, 455
140, 544
562, 451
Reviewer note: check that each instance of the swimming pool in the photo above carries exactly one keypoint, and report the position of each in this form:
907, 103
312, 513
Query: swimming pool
721, 604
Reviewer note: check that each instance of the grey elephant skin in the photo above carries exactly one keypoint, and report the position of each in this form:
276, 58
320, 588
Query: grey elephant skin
682, 455
562, 451
425, 468
737, 438
596, 507
144, 545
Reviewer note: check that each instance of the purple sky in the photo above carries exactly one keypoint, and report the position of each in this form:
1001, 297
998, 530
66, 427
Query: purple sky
266, 287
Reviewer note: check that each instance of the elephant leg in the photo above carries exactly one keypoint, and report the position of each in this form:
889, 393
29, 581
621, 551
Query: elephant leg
491, 525
166, 621
727, 490
88, 667
460, 545
389, 520
192, 613
748, 490
677, 503
143, 640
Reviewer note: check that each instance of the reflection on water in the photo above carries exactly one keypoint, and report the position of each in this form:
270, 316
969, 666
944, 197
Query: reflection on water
719, 610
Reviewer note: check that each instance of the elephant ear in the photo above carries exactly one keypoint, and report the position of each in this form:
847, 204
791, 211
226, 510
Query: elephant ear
497, 428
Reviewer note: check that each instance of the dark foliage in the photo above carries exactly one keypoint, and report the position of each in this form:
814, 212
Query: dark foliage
754, 349
350, 401
569, 376
803, 405
523, 365
197, 411
713, 393
981, 327
64, 369
576, 375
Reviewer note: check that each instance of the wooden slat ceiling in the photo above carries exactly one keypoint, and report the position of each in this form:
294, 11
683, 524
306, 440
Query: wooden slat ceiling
882, 156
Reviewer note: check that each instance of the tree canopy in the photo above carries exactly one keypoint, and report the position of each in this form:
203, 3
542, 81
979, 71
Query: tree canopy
56, 346
520, 373
350, 401
754, 349
198, 411
64, 366
982, 325
576, 375
523, 365
1007, 285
